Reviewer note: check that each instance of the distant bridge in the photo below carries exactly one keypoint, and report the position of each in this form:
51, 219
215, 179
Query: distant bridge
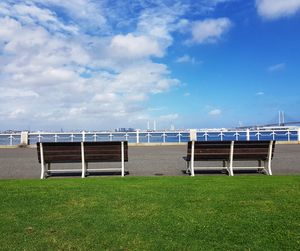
281, 122
285, 123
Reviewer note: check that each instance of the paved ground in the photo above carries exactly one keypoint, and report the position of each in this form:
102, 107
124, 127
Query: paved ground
21, 163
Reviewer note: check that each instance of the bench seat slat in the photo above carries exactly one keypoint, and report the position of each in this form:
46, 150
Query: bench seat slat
62, 160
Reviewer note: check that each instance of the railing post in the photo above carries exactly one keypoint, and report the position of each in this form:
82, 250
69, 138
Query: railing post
205, 135
137, 136
236, 136
298, 134
248, 134
24, 138
273, 135
11, 140
83, 136
289, 135
193, 134
221, 135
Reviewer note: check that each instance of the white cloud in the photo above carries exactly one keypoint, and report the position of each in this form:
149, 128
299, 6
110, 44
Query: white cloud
130, 46
144, 77
31, 11
16, 113
209, 30
186, 59
159, 22
28, 13
277, 67
85, 14
215, 112
16, 93
260, 93
273, 9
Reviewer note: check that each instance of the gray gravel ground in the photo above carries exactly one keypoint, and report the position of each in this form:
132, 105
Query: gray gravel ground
22, 163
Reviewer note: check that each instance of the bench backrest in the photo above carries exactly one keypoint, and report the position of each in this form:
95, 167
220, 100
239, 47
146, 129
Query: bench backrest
60, 152
220, 150
105, 151
252, 150
209, 150
66, 152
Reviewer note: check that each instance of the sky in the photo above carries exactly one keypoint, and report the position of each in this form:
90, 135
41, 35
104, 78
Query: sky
105, 64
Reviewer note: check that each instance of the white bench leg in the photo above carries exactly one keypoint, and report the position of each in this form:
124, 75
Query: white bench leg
42, 170
82, 161
192, 159
122, 160
231, 159
269, 168
42, 161
270, 158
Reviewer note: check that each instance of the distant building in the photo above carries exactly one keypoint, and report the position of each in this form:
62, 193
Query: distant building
125, 130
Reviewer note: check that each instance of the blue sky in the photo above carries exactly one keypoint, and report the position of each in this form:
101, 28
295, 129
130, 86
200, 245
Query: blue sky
93, 65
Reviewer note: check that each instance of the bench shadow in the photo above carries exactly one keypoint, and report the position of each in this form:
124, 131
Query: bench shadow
206, 172
89, 174
248, 172
105, 173
225, 172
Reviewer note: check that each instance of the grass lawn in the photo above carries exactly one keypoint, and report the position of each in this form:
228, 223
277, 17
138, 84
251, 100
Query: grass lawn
151, 213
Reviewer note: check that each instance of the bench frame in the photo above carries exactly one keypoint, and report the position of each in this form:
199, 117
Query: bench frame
46, 167
228, 162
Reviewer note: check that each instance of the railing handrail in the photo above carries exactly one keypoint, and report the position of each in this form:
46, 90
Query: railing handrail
160, 136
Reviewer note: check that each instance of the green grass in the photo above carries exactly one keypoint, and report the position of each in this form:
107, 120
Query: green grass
151, 213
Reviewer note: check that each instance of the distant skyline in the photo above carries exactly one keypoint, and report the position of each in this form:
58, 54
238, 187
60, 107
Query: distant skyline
93, 65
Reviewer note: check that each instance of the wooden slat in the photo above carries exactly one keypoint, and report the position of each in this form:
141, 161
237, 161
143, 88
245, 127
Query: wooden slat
105, 151
209, 150
251, 150
60, 152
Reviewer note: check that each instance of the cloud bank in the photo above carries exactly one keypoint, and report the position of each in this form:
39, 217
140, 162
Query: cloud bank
83, 64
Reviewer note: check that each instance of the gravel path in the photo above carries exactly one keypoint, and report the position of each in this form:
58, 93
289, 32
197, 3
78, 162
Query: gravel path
22, 163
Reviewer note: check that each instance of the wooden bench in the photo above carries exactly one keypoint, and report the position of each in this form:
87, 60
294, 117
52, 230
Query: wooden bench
81, 152
228, 152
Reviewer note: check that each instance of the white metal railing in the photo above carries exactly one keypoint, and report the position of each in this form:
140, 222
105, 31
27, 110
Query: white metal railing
10, 139
151, 136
